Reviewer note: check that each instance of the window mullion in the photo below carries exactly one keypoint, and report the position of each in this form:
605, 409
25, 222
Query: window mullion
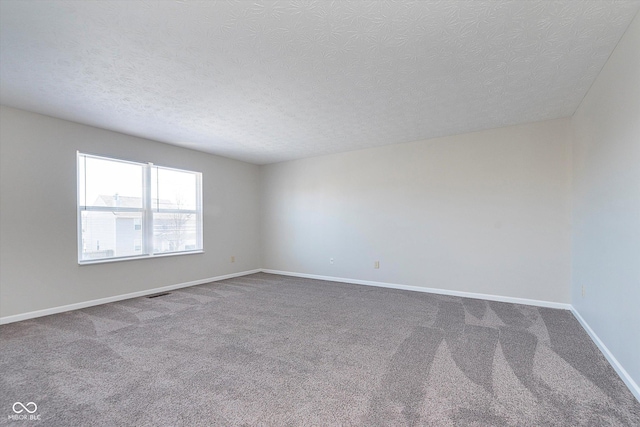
148, 211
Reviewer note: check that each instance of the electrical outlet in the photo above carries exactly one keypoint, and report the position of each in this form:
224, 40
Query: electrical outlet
233, 259
330, 260
376, 264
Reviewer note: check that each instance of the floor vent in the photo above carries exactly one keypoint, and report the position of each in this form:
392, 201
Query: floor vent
159, 295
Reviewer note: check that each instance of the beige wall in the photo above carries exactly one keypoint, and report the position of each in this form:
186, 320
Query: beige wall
606, 204
38, 231
486, 212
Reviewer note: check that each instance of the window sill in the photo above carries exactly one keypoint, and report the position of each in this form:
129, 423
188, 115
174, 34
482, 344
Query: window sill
134, 258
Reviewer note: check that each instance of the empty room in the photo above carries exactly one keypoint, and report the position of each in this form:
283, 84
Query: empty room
316, 213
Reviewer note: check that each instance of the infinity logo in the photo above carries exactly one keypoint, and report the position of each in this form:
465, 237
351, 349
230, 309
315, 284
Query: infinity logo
22, 407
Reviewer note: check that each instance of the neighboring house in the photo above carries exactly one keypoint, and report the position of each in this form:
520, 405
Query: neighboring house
120, 233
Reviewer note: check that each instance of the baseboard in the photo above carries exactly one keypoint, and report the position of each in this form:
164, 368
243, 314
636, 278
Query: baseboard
514, 300
624, 375
85, 304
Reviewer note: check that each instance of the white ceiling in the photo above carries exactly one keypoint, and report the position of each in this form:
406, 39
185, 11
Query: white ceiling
271, 81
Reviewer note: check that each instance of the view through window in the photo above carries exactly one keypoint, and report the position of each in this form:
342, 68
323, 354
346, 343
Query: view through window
128, 209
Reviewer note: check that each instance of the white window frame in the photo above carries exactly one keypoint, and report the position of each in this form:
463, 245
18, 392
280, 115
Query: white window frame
146, 212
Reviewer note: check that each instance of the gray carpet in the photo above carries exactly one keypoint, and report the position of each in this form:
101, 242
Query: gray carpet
274, 350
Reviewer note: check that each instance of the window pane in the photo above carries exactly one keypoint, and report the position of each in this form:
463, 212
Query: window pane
174, 232
111, 234
110, 183
173, 189
116, 219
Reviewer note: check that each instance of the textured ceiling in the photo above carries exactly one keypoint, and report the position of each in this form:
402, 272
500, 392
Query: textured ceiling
272, 81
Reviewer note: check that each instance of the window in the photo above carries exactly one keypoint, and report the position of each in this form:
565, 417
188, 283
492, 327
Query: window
136, 210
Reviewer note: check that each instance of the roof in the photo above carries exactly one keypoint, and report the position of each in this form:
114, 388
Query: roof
131, 202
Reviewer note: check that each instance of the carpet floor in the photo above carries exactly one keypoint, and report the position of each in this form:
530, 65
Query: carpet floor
277, 351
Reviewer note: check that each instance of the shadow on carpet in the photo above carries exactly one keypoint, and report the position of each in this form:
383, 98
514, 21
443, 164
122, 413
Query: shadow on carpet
275, 350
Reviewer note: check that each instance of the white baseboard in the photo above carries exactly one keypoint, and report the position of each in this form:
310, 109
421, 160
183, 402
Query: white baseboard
624, 375
514, 300
85, 304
